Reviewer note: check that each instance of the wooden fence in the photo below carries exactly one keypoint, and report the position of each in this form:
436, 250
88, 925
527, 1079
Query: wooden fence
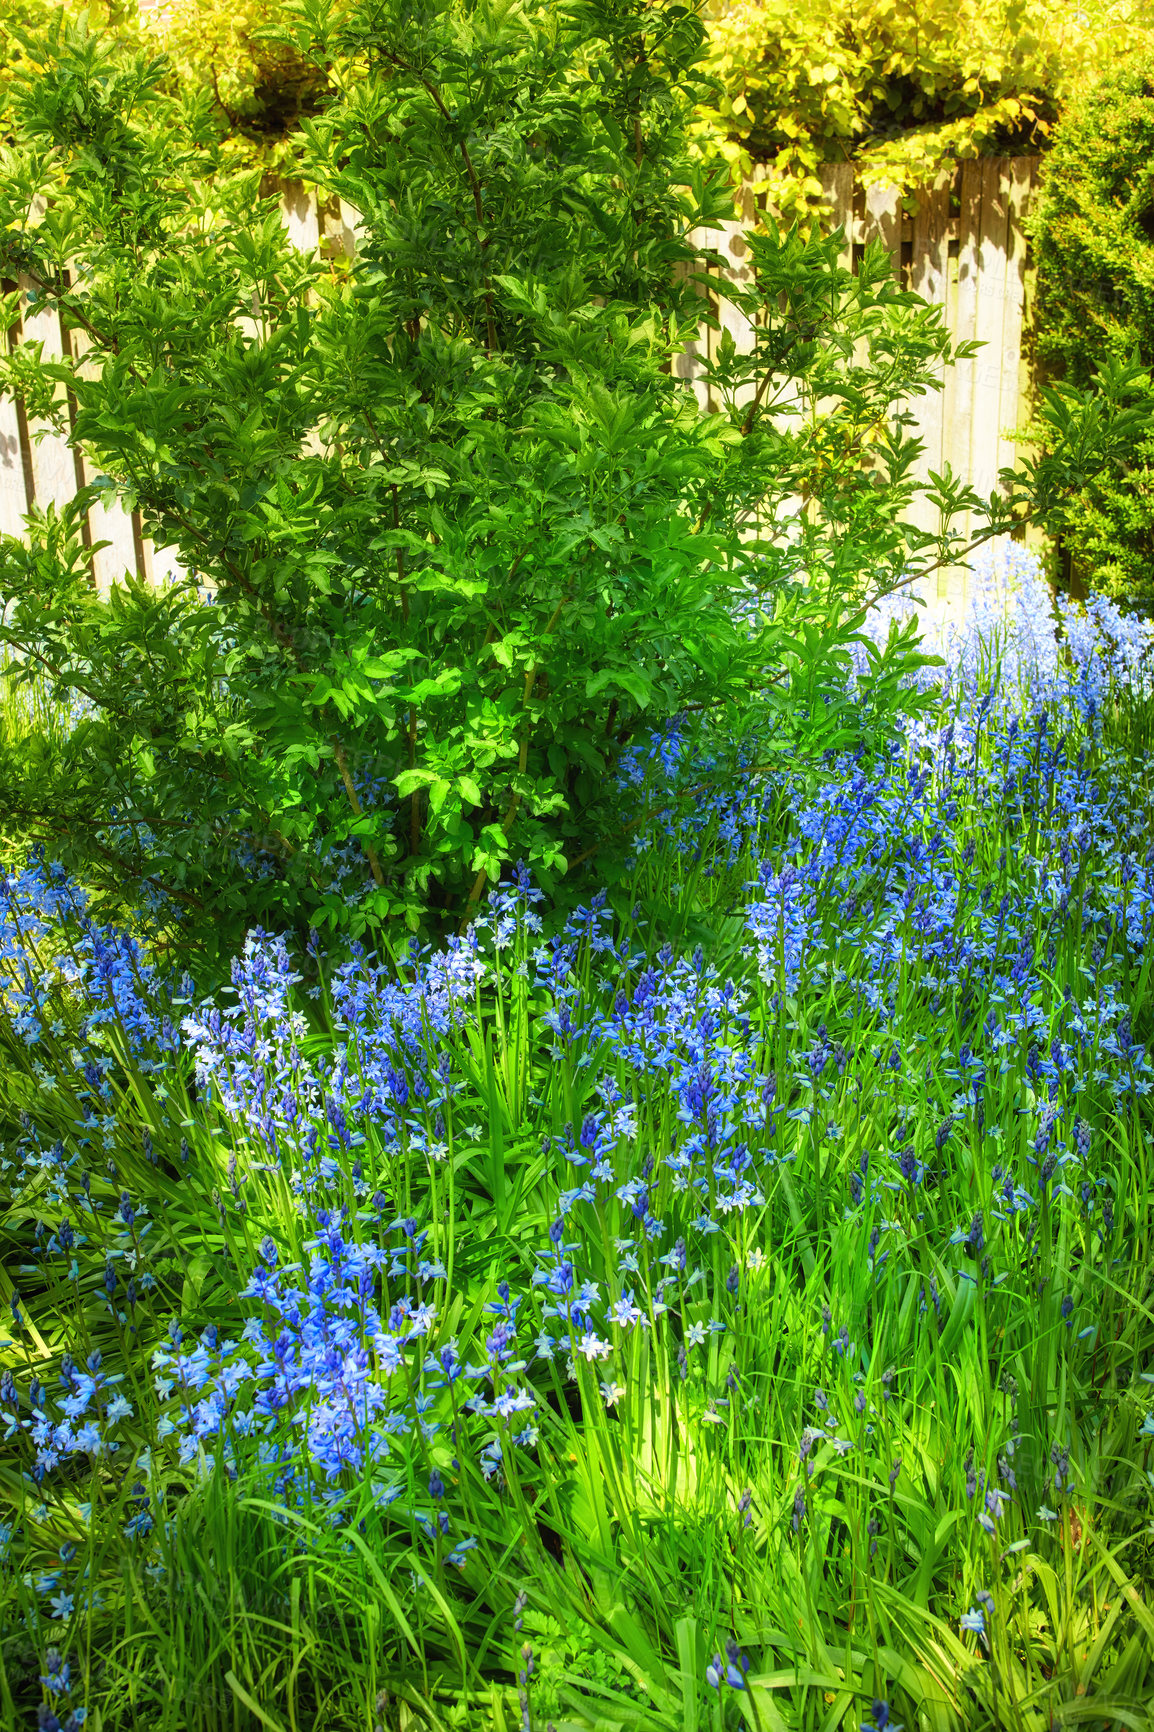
965, 249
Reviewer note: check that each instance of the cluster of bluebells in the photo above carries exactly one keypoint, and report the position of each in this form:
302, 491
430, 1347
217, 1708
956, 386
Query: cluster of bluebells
879, 920
80, 1423
340, 1369
59, 1712
389, 1066
51, 949
1014, 636
79, 1420
885, 891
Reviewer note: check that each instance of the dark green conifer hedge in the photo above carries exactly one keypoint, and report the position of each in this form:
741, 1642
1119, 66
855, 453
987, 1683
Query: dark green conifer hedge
1093, 233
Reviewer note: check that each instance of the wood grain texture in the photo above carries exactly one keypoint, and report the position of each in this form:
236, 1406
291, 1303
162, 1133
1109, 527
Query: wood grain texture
993, 237
837, 180
929, 277
883, 222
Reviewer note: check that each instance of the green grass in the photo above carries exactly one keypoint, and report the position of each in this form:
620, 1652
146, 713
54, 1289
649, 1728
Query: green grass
625, 1527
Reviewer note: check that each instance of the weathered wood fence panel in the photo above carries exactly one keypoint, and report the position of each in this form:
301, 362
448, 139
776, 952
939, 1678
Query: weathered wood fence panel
964, 249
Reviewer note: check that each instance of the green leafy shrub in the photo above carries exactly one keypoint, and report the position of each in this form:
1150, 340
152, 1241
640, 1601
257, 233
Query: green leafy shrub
1094, 236
460, 529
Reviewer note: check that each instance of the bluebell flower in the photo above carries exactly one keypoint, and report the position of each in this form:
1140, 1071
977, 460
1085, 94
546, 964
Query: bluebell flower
883, 1720
57, 1679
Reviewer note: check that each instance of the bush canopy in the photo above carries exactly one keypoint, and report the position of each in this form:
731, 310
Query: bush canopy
453, 527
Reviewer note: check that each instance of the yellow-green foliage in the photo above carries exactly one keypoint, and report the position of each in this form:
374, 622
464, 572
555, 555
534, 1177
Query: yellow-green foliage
261, 88
223, 50
32, 16
898, 85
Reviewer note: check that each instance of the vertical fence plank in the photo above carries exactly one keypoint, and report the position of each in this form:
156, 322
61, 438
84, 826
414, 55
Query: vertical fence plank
993, 238
160, 563
110, 522
688, 363
931, 232
929, 273
13, 492
1012, 407
960, 403
728, 241
298, 213
113, 524
837, 184
883, 222
735, 251
351, 224
52, 460
337, 238
691, 363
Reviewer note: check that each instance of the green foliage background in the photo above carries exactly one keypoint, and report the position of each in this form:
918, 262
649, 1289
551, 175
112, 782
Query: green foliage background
1093, 235
454, 529
256, 89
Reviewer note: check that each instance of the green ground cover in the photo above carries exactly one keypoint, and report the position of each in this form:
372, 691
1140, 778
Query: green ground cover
725, 1304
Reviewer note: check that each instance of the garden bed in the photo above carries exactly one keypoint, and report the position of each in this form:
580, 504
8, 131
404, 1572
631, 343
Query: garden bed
726, 1303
